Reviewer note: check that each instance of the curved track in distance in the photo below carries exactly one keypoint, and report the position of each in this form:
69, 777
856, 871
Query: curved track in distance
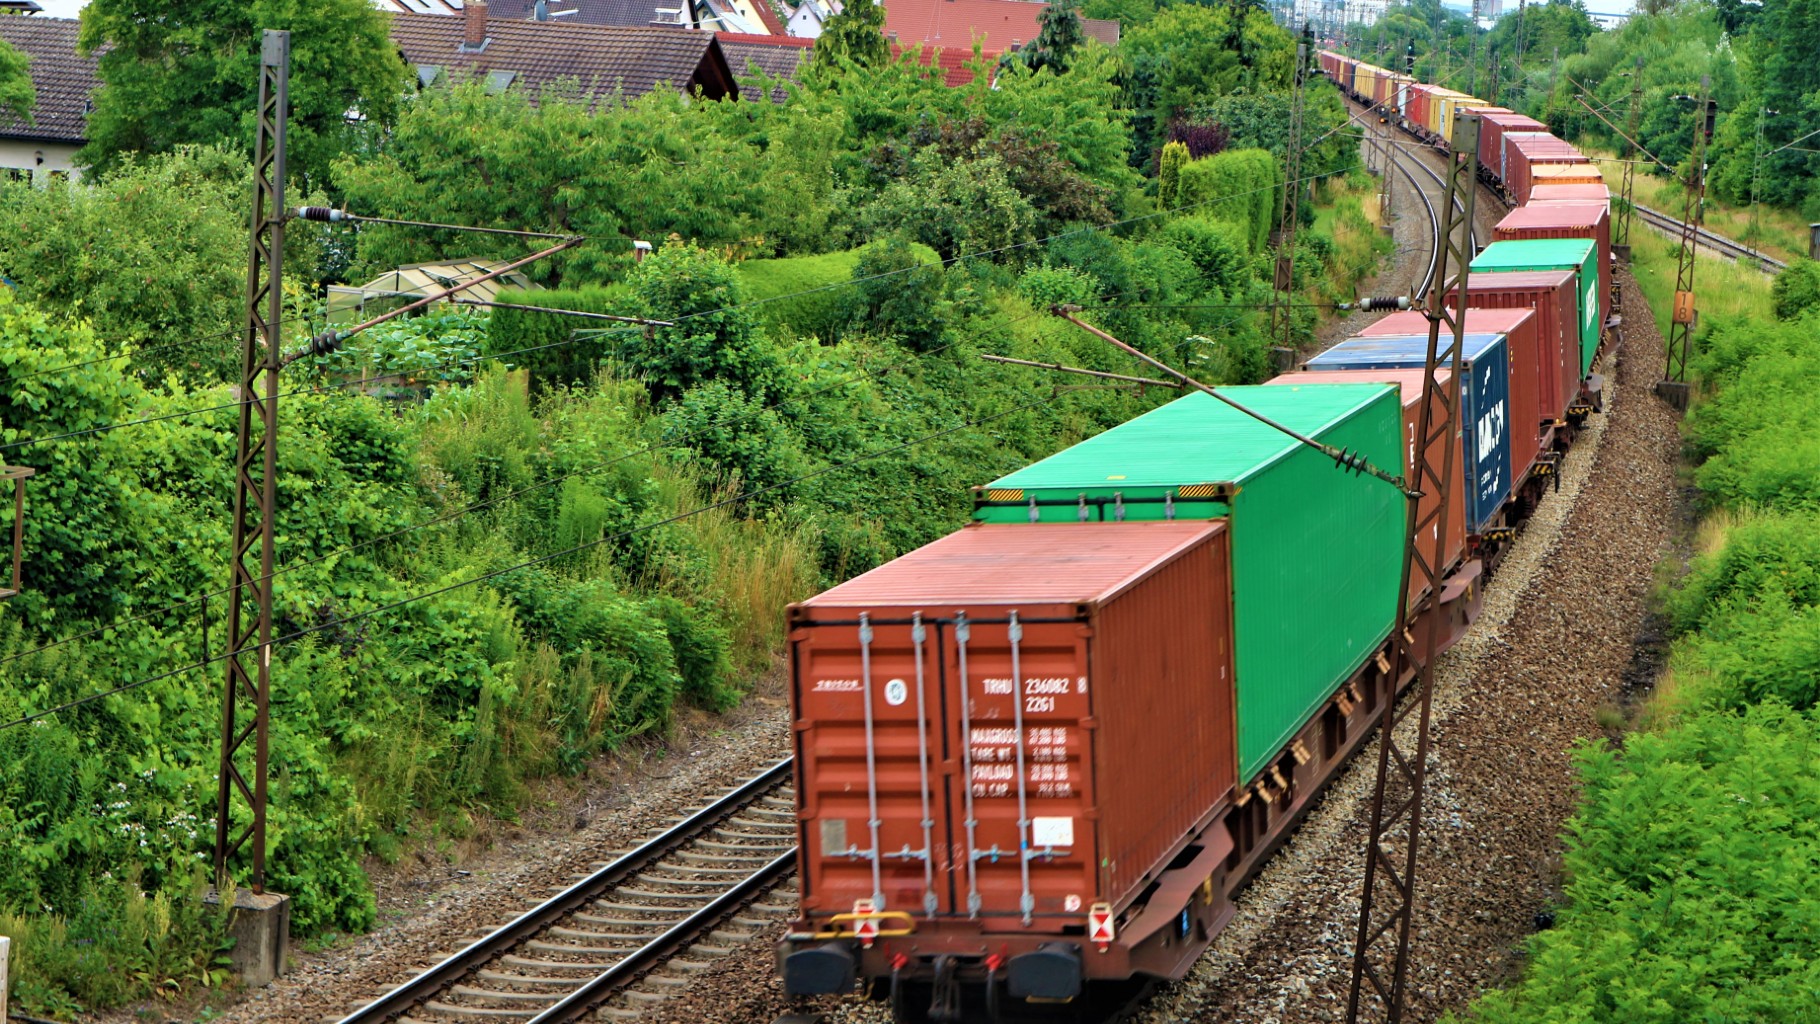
1671, 226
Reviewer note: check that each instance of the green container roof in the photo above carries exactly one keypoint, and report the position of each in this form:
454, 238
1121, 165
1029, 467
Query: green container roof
1534, 254
1198, 439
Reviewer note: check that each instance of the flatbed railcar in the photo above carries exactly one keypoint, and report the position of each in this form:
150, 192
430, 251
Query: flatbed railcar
1037, 759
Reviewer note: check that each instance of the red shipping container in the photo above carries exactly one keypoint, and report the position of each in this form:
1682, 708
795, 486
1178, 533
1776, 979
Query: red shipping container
1569, 193
1415, 110
1524, 151
1410, 383
1491, 137
1555, 297
1070, 695
1534, 386
1566, 219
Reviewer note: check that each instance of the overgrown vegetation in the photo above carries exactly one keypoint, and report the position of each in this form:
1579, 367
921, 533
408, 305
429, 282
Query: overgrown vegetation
1693, 860
612, 517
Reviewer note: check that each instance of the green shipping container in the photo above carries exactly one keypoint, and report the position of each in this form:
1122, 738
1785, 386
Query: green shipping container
1576, 254
1316, 551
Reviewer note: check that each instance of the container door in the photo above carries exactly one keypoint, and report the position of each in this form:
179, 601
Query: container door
871, 744
1486, 418
1025, 843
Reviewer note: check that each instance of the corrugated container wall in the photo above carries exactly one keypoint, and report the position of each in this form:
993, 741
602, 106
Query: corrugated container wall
1316, 552
1576, 254
1491, 138
1558, 219
1410, 383
1105, 721
1484, 412
1555, 297
1570, 193
1536, 372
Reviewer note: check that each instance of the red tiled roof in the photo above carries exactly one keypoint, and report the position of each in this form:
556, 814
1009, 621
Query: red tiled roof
768, 15
62, 79
952, 60
954, 23
601, 57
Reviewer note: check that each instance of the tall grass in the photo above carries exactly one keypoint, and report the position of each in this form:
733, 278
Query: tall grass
1780, 233
1722, 288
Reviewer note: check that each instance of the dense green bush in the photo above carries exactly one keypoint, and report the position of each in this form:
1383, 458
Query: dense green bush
899, 288
1242, 186
799, 293
560, 349
1797, 290
1693, 868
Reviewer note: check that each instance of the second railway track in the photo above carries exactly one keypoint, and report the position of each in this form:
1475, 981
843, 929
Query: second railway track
701, 885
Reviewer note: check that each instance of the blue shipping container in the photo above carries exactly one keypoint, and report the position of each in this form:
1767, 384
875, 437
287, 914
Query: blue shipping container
1485, 414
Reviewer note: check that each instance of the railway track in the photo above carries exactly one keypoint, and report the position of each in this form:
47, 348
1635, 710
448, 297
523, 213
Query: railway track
1671, 226
1402, 160
628, 933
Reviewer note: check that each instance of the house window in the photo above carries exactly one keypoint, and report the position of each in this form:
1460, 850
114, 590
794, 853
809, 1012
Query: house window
15, 174
499, 81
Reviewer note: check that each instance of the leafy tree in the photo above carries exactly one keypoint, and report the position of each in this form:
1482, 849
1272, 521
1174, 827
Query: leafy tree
153, 254
713, 335
967, 207
1059, 35
900, 292
1169, 171
178, 72
855, 37
1190, 55
16, 95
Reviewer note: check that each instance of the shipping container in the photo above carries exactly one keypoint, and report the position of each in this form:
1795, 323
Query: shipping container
1576, 254
1410, 384
1566, 219
1491, 138
1484, 410
1448, 108
1554, 295
1536, 392
1027, 720
1415, 111
1525, 153
1570, 193
1316, 550
1568, 174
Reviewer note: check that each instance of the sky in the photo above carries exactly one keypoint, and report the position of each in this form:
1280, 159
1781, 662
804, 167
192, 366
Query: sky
61, 8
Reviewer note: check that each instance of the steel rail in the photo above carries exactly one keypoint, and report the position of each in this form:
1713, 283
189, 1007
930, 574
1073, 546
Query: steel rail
1434, 218
1724, 246
508, 936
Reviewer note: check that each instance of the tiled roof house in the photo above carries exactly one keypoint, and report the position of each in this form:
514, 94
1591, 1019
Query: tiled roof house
952, 24
63, 82
755, 15
532, 55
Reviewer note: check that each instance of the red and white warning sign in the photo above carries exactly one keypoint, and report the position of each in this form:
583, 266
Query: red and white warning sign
865, 926
1099, 924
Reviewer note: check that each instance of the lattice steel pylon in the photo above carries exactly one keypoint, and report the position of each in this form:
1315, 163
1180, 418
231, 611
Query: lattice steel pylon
249, 637
1380, 972
1620, 232
1282, 319
1673, 386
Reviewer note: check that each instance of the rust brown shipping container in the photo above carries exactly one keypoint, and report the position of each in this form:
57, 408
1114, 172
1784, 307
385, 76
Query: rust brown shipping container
1565, 219
1536, 374
1554, 295
1409, 384
1074, 677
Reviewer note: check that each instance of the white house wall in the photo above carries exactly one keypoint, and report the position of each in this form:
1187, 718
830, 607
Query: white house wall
39, 158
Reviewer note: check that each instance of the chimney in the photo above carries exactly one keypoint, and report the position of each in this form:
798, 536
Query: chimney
474, 24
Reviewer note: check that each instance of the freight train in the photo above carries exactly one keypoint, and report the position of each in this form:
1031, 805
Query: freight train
1037, 759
